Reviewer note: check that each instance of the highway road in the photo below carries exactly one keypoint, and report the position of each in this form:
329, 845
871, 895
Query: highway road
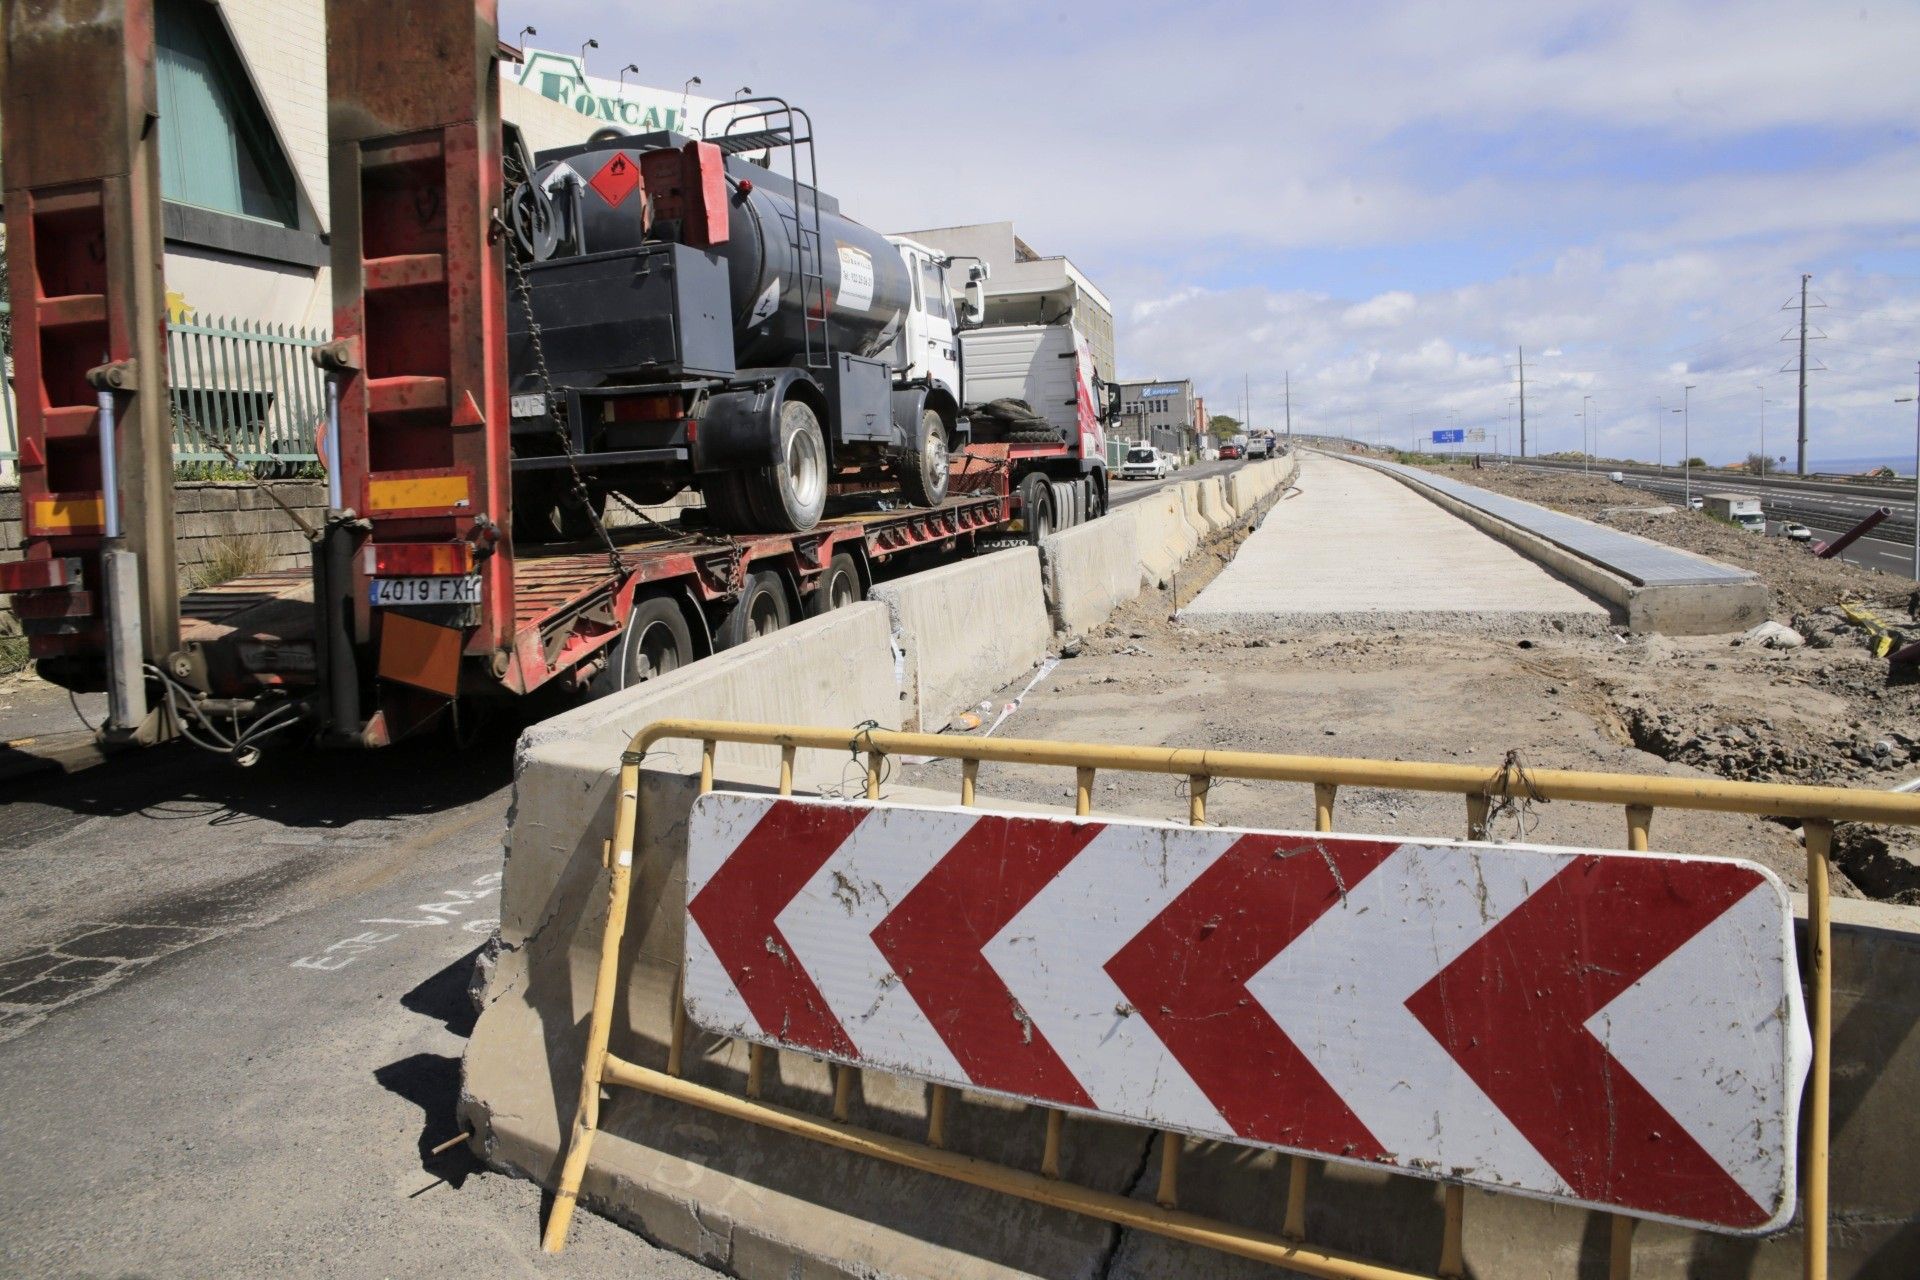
1829, 508
1125, 491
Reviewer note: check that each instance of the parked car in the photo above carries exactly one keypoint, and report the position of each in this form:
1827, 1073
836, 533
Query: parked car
1795, 530
1618, 477
1229, 452
1144, 462
1698, 504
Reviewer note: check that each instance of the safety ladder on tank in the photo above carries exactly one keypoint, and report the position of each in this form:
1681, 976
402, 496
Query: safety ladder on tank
772, 124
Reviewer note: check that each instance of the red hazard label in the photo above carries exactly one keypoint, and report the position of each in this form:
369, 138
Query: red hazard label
617, 178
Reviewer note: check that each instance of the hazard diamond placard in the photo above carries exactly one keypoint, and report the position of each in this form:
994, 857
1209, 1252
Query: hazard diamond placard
617, 178
1616, 1030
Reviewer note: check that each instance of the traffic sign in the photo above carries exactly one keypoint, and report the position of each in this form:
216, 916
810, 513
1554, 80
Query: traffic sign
1617, 1030
1453, 435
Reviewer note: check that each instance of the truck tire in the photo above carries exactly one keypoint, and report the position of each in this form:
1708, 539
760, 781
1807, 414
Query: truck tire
1096, 495
1062, 504
1082, 500
1036, 507
923, 466
546, 508
727, 507
655, 641
761, 610
839, 586
789, 496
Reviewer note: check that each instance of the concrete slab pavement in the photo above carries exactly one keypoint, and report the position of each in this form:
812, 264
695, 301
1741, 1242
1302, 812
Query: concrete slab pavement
1355, 548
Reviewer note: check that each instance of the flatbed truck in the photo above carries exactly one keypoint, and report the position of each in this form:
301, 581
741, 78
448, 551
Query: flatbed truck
420, 599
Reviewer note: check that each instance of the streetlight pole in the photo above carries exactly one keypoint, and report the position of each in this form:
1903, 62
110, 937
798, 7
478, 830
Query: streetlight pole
1586, 450
1763, 430
591, 44
1686, 438
1915, 397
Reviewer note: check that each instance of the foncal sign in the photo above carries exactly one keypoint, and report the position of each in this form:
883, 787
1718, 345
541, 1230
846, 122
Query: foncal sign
562, 78
1617, 1030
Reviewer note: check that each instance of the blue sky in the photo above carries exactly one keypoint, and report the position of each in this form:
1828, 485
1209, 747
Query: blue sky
1387, 199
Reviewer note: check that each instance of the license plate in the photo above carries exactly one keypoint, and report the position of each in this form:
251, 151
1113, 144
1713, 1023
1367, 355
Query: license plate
533, 405
461, 590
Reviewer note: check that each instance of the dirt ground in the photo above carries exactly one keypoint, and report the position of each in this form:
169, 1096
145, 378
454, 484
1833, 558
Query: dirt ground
1635, 704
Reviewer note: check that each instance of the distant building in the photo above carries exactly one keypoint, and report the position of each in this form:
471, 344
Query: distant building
1163, 413
1024, 287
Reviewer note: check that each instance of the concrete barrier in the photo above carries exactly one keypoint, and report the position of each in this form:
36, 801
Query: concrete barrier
967, 629
1165, 538
1214, 507
1092, 570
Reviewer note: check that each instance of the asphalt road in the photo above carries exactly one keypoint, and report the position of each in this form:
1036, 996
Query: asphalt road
232, 1010
1125, 491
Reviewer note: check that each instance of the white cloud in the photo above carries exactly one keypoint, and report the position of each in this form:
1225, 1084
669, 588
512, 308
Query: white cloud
1389, 198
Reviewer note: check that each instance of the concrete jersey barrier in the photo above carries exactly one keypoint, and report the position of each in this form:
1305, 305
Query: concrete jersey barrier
1092, 570
967, 629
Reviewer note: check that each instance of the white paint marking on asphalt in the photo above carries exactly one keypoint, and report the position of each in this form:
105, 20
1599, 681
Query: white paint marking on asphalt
448, 904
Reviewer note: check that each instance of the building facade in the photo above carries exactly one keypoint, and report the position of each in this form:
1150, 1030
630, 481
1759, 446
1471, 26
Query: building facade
1160, 412
1025, 287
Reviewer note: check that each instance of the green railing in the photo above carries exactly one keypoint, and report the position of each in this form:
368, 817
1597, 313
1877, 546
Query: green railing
247, 385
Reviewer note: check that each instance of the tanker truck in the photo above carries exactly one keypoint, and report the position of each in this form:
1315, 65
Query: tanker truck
682, 314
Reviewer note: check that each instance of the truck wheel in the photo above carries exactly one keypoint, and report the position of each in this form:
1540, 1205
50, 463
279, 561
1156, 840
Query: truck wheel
656, 640
727, 507
761, 610
1096, 496
839, 586
923, 467
789, 496
546, 509
1062, 504
1036, 507
1083, 500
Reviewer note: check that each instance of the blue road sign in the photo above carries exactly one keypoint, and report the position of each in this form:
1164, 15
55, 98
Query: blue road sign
1457, 435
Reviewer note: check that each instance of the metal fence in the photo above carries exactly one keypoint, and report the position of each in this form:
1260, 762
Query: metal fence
245, 384
249, 386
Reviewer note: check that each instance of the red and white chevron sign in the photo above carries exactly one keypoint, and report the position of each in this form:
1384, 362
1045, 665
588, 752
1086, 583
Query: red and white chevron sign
1617, 1030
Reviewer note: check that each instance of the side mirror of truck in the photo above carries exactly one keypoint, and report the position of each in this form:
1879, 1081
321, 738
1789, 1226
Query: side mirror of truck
1111, 393
973, 306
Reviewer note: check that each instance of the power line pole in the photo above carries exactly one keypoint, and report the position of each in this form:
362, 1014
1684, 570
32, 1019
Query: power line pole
1803, 371
1523, 400
1804, 304
1289, 410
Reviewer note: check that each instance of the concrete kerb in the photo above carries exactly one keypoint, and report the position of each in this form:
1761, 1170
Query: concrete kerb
1692, 610
965, 629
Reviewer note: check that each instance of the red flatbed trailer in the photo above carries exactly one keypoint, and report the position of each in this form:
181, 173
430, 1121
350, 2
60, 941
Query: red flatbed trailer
256, 634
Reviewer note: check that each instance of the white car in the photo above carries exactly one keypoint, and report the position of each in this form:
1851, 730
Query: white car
1144, 462
1796, 531
1698, 504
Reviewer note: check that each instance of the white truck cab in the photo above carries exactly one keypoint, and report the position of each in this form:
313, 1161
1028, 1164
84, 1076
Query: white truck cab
927, 345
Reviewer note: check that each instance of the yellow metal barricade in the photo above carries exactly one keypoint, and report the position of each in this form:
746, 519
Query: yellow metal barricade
1817, 808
